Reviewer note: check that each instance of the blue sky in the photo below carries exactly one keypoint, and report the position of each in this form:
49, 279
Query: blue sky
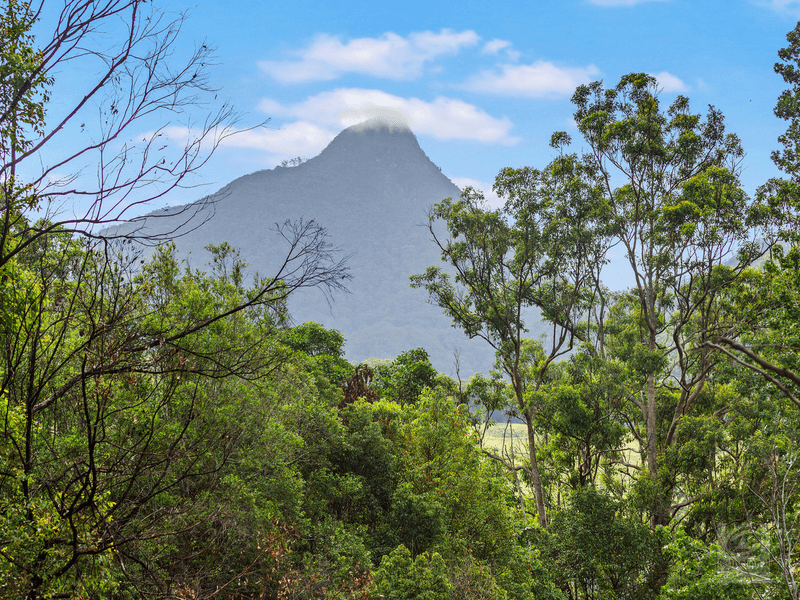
483, 85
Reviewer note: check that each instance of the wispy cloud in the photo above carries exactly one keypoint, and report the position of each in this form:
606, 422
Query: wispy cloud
494, 47
389, 56
786, 7
670, 83
622, 2
300, 138
538, 80
492, 199
443, 118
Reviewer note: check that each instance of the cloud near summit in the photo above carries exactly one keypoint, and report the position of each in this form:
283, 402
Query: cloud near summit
389, 56
443, 118
310, 125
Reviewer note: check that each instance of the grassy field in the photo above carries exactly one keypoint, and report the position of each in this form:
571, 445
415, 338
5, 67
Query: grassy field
501, 435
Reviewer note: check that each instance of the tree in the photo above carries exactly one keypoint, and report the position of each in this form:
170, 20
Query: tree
781, 195
677, 210
113, 372
108, 418
400, 576
511, 260
767, 301
598, 551
323, 350
701, 572
405, 377
761, 328
578, 406
137, 85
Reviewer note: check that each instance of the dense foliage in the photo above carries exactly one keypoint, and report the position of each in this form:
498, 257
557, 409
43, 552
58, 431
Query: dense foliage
168, 433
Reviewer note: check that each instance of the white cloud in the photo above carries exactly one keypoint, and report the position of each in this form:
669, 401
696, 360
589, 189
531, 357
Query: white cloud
669, 82
495, 46
443, 118
537, 80
390, 56
317, 120
300, 138
394, 116
787, 7
492, 199
621, 2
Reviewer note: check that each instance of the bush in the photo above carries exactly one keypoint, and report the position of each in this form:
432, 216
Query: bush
401, 578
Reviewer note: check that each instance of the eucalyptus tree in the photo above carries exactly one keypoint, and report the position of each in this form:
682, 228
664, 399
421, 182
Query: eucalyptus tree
680, 216
578, 407
760, 335
766, 307
663, 187
507, 261
783, 195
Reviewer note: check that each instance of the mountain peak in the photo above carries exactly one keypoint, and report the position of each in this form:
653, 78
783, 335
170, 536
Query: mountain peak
376, 140
390, 123
371, 189
380, 130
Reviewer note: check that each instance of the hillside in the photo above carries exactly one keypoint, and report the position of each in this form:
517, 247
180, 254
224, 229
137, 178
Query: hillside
371, 188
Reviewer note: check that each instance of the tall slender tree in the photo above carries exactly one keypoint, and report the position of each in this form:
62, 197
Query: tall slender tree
678, 212
509, 261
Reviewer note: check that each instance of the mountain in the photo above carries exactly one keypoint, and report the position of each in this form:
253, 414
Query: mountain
371, 188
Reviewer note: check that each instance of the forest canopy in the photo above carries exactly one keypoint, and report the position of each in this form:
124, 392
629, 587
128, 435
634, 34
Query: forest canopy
169, 432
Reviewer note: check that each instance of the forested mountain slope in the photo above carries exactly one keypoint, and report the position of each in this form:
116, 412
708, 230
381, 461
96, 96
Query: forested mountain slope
371, 188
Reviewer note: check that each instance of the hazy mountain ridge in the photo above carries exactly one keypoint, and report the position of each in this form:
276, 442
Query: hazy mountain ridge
372, 188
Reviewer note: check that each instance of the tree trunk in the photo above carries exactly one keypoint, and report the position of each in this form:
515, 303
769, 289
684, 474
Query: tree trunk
650, 424
658, 515
538, 493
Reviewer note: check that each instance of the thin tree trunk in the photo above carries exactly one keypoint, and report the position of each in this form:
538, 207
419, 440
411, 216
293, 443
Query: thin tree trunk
538, 493
650, 423
516, 481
